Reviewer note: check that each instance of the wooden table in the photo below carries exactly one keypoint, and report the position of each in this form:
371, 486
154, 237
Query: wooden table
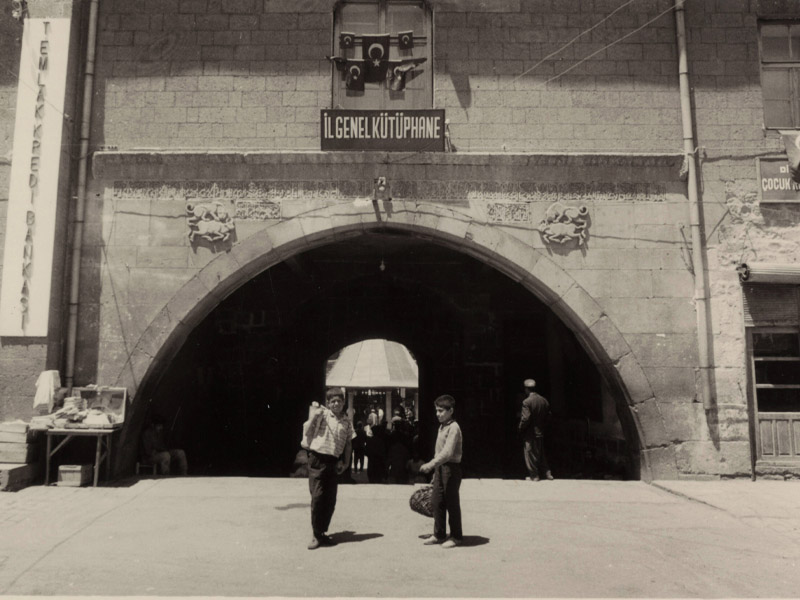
102, 452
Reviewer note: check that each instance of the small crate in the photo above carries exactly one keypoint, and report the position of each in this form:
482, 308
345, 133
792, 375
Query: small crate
75, 475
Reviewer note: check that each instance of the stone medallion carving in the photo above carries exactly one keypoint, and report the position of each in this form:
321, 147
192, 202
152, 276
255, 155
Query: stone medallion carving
562, 224
210, 221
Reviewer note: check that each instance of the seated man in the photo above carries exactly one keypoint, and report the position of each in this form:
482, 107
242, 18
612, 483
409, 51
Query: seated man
155, 451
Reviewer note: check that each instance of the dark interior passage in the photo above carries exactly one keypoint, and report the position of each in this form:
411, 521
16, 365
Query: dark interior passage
237, 392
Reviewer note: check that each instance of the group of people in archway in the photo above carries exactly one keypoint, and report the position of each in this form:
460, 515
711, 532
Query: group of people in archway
389, 452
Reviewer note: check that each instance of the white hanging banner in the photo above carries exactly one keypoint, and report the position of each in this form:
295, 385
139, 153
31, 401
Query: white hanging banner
33, 193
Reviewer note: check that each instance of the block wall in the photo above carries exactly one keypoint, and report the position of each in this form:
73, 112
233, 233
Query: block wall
251, 74
245, 74
211, 74
725, 67
20, 362
22, 359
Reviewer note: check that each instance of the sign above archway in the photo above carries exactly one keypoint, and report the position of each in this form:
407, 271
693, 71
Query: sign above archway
383, 130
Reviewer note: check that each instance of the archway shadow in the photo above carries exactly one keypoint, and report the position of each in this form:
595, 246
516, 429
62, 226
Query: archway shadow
345, 537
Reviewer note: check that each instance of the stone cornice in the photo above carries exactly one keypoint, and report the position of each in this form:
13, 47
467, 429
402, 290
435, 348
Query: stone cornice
181, 165
327, 6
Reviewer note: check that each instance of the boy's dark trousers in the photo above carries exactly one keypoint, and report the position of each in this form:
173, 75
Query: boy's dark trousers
322, 484
446, 500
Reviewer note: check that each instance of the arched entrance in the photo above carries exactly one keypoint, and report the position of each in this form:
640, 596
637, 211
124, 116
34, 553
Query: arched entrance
478, 323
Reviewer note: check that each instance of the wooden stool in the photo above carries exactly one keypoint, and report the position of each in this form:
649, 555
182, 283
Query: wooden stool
143, 466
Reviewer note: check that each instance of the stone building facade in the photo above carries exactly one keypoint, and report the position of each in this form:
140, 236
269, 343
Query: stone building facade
554, 240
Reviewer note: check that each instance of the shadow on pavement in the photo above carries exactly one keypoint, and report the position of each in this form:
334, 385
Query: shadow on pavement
344, 537
474, 540
295, 505
123, 483
468, 540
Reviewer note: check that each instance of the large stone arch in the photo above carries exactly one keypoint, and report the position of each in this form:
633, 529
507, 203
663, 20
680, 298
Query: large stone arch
530, 267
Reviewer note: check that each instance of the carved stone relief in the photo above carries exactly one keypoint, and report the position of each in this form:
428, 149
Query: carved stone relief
210, 221
509, 212
562, 224
505, 202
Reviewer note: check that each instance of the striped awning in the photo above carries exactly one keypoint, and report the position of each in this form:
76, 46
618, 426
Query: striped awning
374, 364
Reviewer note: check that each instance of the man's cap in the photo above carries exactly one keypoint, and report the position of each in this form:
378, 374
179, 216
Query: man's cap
529, 383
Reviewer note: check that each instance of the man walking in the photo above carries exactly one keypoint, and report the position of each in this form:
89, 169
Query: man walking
535, 412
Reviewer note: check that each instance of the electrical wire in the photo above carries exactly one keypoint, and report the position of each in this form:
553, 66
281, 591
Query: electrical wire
617, 41
572, 41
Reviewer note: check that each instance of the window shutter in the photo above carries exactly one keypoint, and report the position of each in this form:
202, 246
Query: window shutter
770, 305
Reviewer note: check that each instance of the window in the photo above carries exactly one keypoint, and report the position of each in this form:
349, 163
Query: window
776, 369
780, 74
380, 90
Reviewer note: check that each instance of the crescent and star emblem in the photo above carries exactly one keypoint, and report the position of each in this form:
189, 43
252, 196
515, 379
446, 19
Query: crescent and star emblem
376, 56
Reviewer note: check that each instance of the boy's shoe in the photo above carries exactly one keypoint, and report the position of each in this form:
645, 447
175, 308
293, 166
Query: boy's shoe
314, 544
432, 539
533, 478
549, 476
452, 543
326, 540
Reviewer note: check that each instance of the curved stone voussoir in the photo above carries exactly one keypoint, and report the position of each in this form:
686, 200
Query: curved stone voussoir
504, 251
635, 379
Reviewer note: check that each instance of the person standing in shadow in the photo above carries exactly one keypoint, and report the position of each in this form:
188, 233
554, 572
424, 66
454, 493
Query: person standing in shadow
376, 454
154, 449
534, 416
359, 448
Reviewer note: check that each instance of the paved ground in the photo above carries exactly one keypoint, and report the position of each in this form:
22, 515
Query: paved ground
247, 537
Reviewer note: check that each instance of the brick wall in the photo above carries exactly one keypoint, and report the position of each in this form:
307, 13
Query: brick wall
17, 362
723, 45
22, 359
507, 83
247, 74
206, 74
209, 74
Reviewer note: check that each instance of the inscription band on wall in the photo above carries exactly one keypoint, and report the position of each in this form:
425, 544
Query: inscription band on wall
262, 199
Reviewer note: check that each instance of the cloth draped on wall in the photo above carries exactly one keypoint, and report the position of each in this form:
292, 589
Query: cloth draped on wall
46, 385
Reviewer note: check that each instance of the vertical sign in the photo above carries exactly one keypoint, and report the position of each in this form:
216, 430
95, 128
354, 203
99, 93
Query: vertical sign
33, 192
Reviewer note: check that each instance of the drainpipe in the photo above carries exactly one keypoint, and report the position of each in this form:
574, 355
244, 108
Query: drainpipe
701, 291
80, 199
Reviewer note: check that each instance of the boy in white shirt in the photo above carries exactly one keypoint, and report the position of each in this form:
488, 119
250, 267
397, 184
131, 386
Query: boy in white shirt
327, 435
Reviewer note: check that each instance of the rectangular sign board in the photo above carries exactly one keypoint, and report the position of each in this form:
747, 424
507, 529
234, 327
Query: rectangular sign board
776, 184
383, 130
33, 191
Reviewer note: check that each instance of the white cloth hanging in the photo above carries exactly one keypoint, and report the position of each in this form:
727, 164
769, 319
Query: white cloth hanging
46, 386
